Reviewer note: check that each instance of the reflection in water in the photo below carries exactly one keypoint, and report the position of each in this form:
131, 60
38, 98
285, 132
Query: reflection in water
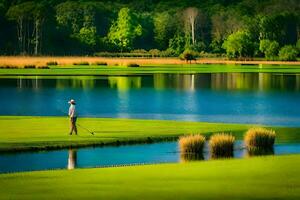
262, 98
72, 159
123, 83
188, 157
189, 82
111, 156
259, 152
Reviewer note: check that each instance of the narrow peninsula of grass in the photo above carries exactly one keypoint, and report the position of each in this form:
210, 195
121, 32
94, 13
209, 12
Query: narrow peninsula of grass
31, 133
151, 69
271, 177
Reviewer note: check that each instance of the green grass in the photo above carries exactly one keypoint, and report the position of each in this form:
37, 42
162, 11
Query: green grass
271, 177
146, 69
25, 133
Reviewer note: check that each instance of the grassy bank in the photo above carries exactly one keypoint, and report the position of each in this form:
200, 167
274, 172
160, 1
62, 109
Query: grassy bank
30, 133
150, 69
273, 177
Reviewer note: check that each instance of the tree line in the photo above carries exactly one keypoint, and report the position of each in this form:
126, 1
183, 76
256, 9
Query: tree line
237, 28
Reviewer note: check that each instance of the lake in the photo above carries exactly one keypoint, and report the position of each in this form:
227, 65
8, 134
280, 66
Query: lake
260, 98
166, 152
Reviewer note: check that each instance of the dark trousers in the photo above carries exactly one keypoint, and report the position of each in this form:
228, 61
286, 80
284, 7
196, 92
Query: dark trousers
73, 125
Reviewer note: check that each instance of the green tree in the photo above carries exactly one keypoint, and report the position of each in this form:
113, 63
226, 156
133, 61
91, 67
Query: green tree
288, 53
22, 15
239, 45
269, 48
163, 28
70, 15
281, 27
177, 44
124, 30
224, 22
88, 36
298, 45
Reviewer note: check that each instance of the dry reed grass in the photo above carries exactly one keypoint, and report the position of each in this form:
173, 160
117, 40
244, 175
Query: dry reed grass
221, 145
259, 138
191, 144
20, 61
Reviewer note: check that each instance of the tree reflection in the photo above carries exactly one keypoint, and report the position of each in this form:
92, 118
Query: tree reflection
124, 83
187, 82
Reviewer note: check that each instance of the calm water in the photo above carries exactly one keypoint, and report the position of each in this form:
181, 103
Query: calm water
108, 156
263, 98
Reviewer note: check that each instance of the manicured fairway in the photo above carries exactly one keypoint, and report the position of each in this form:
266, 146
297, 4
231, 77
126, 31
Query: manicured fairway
274, 177
150, 69
19, 133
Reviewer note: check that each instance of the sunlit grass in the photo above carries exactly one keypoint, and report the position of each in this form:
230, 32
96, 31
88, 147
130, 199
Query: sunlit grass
268, 178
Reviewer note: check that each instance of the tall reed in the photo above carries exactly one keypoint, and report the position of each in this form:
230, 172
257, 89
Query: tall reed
221, 145
191, 144
260, 138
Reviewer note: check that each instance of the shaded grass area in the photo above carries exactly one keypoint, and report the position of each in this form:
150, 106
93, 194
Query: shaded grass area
150, 69
32, 133
271, 177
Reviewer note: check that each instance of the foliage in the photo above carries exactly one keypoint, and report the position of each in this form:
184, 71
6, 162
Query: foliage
177, 44
78, 27
123, 31
163, 28
269, 48
88, 36
288, 53
188, 55
239, 45
279, 27
298, 46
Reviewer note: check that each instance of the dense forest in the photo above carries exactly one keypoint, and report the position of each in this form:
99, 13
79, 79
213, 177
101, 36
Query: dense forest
238, 28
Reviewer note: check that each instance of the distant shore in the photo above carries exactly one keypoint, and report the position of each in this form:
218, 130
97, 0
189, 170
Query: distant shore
69, 60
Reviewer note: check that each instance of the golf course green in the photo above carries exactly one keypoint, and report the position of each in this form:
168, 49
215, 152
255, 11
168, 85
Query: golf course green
31, 133
270, 177
150, 69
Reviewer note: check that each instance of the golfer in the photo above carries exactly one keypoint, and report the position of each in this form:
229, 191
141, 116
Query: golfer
73, 116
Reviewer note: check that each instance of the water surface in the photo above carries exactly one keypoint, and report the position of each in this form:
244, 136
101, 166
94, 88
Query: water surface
167, 152
261, 98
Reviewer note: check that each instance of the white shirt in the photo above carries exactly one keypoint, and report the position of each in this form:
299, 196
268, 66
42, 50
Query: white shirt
72, 111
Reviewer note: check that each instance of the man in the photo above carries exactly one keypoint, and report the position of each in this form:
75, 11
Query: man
73, 116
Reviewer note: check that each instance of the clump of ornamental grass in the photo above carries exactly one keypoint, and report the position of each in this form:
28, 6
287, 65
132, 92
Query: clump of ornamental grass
221, 145
191, 144
259, 138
